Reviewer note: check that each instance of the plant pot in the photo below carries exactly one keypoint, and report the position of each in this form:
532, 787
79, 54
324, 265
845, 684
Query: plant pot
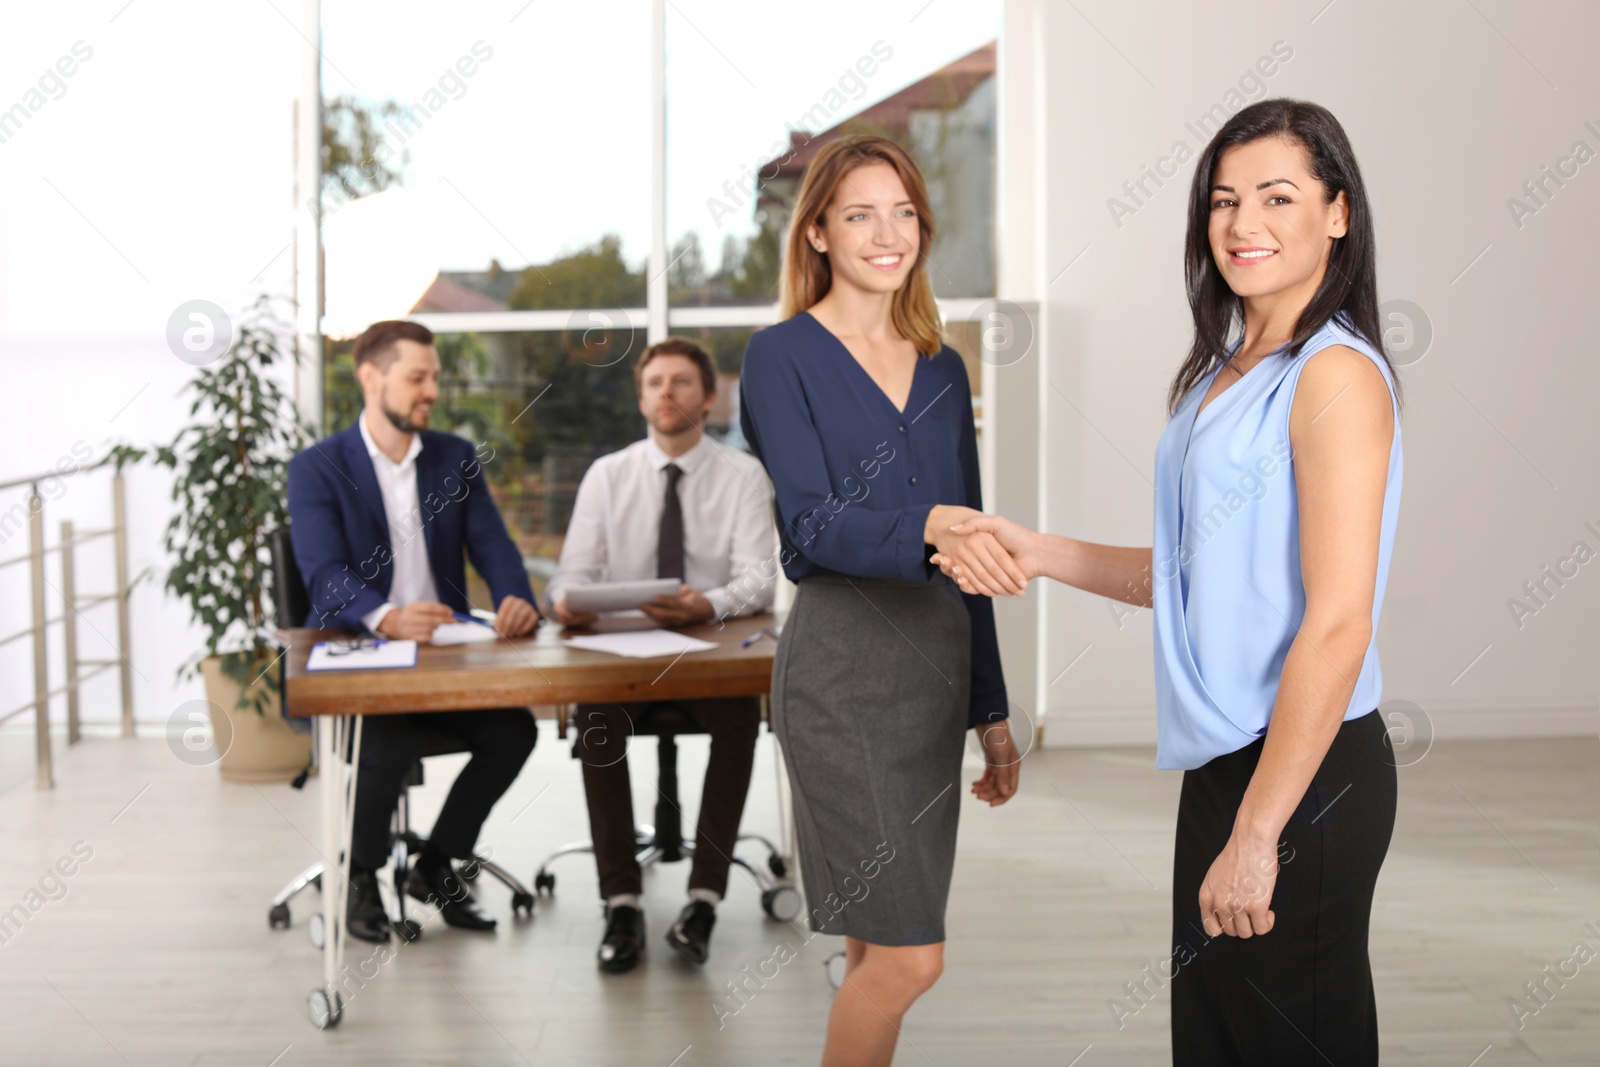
254, 747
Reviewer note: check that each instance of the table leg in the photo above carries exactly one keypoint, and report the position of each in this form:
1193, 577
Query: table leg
346, 828
326, 1003
325, 1011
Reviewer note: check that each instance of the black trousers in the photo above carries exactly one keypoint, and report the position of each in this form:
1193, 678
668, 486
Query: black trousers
500, 740
603, 735
1302, 994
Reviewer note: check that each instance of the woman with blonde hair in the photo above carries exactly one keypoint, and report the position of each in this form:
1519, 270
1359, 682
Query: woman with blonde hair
863, 418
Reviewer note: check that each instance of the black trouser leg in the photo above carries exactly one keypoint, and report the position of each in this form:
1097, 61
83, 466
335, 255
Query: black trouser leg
734, 723
388, 750
499, 739
1302, 994
604, 732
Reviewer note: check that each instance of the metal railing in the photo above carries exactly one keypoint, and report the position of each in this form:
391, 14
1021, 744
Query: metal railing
72, 607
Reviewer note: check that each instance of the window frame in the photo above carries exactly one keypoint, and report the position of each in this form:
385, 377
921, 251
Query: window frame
657, 318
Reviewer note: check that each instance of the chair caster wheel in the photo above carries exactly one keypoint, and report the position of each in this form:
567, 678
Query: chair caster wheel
408, 930
522, 903
834, 967
544, 882
278, 917
325, 1012
317, 931
781, 902
776, 865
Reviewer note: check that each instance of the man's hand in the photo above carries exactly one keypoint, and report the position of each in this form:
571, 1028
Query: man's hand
516, 617
415, 621
570, 618
684, 609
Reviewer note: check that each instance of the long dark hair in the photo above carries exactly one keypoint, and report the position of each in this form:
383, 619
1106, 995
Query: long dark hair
1349, 286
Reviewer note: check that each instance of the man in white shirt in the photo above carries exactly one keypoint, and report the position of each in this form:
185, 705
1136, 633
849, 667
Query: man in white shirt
383, 516
675, 505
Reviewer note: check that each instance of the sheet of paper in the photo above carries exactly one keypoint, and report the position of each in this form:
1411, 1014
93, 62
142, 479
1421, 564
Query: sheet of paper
463, 633
327, 656
617, 596
641, 644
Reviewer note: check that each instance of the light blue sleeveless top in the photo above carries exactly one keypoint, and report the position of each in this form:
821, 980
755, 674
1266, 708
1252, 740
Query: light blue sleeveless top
1228, 597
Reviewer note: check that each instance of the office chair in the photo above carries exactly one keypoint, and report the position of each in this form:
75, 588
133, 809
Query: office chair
664, 842
291, 606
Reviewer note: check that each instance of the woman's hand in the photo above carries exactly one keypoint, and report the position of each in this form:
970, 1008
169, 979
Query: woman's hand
1003, 763
987, 567
1016, 541
1236, 895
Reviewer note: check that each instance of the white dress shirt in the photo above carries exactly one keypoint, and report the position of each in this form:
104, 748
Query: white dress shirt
729, 548
397, 483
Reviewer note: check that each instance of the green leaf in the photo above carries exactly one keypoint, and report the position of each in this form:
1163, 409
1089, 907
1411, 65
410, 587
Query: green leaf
231, 464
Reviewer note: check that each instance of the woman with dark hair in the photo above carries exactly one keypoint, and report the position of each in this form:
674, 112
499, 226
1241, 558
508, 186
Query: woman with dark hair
1277, 492
863, 418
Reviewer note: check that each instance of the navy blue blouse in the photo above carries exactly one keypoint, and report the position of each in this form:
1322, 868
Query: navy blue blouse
854, 478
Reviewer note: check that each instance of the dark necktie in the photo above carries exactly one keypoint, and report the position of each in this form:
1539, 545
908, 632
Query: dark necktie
669, 549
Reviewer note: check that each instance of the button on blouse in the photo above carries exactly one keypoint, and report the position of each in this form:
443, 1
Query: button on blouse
854, 477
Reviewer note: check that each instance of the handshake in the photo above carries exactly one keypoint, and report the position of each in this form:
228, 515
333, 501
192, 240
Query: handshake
986, 554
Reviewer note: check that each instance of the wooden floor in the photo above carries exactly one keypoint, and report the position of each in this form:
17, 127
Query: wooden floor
156, 949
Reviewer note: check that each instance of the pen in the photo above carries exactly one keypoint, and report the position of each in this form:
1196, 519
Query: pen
470, 618
753, 638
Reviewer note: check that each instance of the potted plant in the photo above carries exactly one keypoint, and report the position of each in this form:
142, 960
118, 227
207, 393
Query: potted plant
231, 462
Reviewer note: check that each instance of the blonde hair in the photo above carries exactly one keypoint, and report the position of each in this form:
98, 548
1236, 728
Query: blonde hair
807, 275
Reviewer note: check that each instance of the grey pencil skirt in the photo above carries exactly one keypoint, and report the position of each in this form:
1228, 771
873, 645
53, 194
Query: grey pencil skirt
870, 689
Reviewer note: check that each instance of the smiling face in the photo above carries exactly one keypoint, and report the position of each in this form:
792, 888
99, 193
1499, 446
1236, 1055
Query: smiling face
406, 390
870, 232
1271, 226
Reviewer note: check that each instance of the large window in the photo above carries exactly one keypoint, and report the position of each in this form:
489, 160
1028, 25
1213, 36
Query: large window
754, 91
483, 158
490, 174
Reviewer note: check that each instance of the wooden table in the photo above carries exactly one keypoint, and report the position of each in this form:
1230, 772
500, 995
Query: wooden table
538, 671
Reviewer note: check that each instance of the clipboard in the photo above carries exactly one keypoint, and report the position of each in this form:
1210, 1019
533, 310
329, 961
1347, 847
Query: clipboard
361, 654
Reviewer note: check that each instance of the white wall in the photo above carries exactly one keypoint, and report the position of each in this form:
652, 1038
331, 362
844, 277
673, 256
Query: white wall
161, 174
1450, 110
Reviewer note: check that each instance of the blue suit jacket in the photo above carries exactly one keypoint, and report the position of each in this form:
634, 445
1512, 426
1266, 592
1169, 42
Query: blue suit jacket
341, 533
